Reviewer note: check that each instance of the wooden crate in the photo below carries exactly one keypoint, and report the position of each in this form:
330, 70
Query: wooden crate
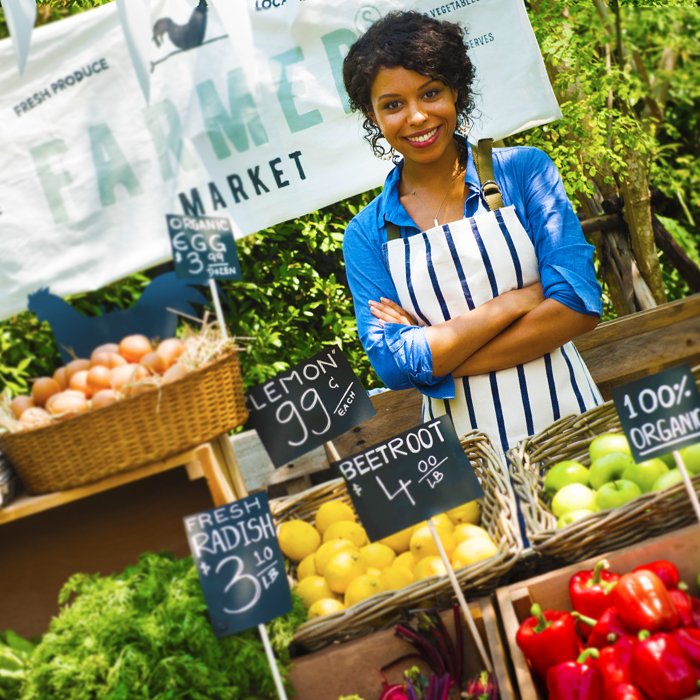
551, 591
353, 667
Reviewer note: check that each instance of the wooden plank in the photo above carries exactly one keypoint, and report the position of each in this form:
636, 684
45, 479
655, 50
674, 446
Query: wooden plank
29, 505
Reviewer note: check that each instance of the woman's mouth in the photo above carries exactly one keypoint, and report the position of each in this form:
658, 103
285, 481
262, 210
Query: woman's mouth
426, 138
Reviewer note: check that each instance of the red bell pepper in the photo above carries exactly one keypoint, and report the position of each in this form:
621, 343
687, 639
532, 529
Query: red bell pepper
607, 629
548, 638
589, 589
684, 607
614, 661
575, 680
695, 604
625, 691
667, 571
688, 639
659, 667
643, 602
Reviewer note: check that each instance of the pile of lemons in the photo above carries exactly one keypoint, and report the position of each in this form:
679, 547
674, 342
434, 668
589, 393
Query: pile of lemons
337, 566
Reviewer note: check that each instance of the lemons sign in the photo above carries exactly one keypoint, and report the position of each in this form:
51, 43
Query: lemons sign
240, 565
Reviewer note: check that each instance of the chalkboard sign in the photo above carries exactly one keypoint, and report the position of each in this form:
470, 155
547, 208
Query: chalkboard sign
240, 564
409, 478
203, 247
659, 413
310, 404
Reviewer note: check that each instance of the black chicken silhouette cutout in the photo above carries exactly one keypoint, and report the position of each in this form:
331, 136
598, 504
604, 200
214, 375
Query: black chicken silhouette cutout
184, 36
77, 335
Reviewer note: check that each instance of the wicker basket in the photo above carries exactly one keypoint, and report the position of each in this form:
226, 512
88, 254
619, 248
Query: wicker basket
144, 428
568, 438
498, 516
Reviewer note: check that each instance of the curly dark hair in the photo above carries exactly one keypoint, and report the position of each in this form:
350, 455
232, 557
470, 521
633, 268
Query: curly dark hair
414, 41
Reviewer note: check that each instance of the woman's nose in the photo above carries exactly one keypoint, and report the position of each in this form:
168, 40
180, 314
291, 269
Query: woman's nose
416, 115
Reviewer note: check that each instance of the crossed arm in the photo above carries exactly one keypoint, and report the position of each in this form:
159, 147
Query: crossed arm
513, 328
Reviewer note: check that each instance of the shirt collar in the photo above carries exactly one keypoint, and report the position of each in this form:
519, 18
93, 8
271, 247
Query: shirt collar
390, 207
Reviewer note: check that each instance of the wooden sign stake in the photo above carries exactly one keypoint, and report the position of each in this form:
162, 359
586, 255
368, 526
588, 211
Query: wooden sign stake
460, 597
687, 483
272, 662
217, 306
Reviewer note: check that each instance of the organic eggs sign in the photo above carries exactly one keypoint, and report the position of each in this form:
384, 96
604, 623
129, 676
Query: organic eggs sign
203, 247
408, 478
240, 564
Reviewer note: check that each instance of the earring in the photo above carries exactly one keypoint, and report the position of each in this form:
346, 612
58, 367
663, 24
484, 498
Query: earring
386, 155
463, 126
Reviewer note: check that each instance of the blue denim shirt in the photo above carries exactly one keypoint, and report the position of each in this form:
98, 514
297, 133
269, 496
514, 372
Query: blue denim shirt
530, 181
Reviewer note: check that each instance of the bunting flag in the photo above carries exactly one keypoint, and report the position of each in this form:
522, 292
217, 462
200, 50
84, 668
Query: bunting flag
20, 16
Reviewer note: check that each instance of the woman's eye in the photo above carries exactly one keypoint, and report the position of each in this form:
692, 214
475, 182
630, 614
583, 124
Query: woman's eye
431, 94
394, 104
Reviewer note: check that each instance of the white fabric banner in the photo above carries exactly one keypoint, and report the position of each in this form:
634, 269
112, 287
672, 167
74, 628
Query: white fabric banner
247, 118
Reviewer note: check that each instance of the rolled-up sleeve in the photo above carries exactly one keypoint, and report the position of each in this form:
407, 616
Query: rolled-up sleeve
399, 354
565, 257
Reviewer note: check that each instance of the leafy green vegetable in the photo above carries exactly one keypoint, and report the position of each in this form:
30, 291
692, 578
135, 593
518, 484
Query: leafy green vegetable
145, 634
14, 655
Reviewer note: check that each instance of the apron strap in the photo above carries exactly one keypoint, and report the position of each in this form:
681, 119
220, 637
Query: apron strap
483, 159
393, 232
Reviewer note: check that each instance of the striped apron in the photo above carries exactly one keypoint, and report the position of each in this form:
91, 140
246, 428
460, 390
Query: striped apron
450, 269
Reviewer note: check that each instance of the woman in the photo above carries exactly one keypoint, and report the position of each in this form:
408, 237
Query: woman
474, 308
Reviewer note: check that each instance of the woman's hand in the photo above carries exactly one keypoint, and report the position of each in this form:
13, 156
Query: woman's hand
388, 311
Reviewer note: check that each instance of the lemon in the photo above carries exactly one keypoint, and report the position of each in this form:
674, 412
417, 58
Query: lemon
313, 588
361, 588
441, 520
395, 577
377, 555
328, 550
473, 550
307, 566
373, 571
467, 531
423, 544
343, 568
298, 539
399, 541
325, 606
332, 512
429, 566
346, 530
466, 513
406, 560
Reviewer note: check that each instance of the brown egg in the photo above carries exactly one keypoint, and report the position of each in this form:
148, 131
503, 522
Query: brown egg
20, 404
60, 376
76, 366
170, 349
69, 401
134, 347
79, 382
107, 359
98, 378
154, 362
172, 374
105, 347
34, 416
128, 374
105, 397
43, 388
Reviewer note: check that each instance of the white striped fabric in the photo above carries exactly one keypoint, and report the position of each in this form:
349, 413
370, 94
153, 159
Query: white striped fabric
450, 269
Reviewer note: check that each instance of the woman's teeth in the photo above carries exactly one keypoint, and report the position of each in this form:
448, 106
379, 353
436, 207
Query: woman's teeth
424, 137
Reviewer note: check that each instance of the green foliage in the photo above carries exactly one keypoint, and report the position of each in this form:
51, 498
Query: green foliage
15, 652
144, 634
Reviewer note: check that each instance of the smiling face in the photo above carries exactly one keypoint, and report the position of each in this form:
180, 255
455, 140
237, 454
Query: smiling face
416, 114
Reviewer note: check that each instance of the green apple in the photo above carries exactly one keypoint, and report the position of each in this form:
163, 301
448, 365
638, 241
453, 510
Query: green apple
573, 497
616, 493
562, 473
668, 459
668, 480
572, 516
691, 458
606, 443
608, 467
645, 473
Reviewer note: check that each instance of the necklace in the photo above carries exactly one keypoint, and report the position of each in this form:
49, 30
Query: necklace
414, 193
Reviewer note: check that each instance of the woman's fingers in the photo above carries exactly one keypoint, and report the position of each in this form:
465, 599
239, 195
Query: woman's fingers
390, 312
